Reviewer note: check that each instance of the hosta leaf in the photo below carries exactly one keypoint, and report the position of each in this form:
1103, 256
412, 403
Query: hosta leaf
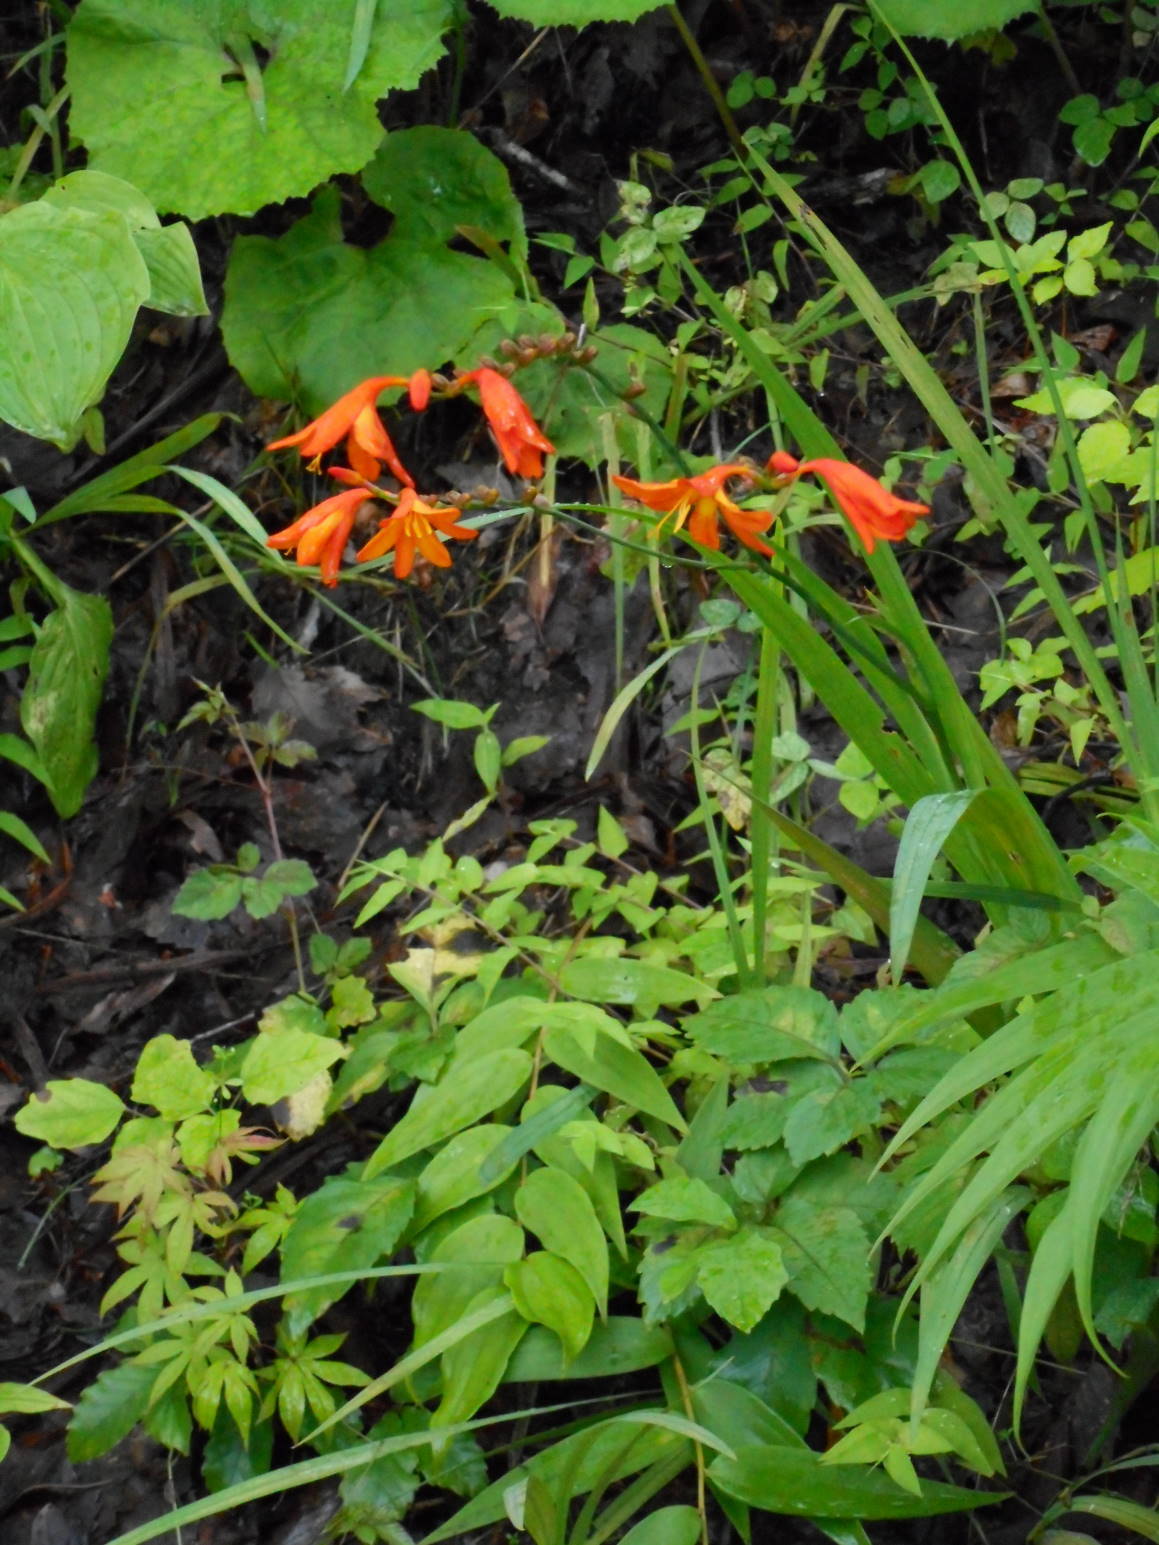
66, 675
71, 283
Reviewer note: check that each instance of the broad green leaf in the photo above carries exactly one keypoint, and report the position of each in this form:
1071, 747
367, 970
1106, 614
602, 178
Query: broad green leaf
935, 19
341, 1226
436, 180
109, 1409
550, 1291
619, 1345
71, 1113
685, 1201
208, 894
66, 675
477, 1089
175, 65
169, 253
793, 1481
621, 979
457, 1173
472, 1258
928, 825
824, 1120
174, 272
768, 1024
675, 1525
579, 403
826, 1253
600, 1059
169, 1079
283, 1059
558, 1210
742, 1277
307, 315
71, 283
1104, 451
1080, 399
573, 13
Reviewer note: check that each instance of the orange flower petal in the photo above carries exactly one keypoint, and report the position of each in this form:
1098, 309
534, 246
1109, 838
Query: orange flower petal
521, 441
869, 507
323, 433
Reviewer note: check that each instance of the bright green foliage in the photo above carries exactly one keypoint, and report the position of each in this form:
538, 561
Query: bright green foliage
72, 1113
307, 315
66, 673
935, 19
214, 892
573, 13
75, 267
225, 131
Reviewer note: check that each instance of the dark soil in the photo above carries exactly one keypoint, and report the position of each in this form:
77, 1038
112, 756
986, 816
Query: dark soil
97, 963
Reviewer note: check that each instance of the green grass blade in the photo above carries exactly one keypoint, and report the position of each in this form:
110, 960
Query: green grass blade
928, 825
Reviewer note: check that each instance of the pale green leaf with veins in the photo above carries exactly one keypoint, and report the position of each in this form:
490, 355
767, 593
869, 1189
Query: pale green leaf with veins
160, 94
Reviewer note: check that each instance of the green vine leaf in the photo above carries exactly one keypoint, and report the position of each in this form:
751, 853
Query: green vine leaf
244, 103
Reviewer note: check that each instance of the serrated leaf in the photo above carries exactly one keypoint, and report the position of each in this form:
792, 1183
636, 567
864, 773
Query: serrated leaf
109, 1409
742, 1277
208, 894
826, 1252
71, 1113
767, 1025
66, 675
685, 1200
175, 65
71, 283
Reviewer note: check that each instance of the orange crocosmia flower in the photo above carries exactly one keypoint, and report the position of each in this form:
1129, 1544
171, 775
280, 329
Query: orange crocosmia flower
872, 510
419, 389
321, 534
703, 503
416, 525
521, 441
353, 415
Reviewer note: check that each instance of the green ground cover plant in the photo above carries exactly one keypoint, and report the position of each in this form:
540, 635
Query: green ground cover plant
622, 1142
